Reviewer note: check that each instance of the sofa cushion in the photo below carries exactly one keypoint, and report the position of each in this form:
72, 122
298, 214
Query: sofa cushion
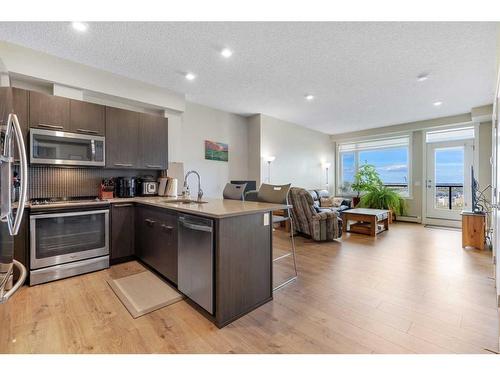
337, 202
314, 195
323, 193
327, 202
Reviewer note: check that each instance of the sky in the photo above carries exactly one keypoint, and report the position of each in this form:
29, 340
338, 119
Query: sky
392, 164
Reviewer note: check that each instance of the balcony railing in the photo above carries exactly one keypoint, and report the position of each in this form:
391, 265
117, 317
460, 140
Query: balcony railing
450, 196
401, 188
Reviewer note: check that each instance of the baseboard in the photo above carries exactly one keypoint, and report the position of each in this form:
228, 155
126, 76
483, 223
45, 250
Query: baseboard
443, 222
409, 219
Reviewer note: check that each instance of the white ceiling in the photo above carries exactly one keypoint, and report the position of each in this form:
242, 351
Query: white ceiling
363, 75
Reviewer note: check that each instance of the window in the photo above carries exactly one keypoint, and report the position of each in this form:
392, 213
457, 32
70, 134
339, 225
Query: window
390, 157
450, 135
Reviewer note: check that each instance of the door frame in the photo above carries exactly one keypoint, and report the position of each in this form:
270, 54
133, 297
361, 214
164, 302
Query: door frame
475, 163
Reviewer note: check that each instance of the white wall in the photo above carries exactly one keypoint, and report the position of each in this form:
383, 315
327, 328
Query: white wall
299, 154
254, 146
187, 133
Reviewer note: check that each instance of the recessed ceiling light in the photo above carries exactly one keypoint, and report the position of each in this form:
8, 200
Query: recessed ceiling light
190, 76
437, 104
422, 77
80, 26
309, 97
226, 52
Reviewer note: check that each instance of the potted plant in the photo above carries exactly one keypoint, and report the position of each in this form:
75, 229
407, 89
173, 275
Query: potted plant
365, 179
384, 198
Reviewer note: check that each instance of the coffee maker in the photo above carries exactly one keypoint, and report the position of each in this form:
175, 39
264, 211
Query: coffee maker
126, 187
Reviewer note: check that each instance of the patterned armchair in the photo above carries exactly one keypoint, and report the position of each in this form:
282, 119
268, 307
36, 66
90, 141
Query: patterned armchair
320, 226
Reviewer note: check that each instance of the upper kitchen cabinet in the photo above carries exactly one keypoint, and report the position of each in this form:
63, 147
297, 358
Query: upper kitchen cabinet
49, 112
122, 138
87, 118
153, 141
21, 108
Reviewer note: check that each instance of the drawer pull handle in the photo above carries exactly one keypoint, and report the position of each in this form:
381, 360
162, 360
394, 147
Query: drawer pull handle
123, 205
167, 227
150, 222
87, 131
154, 166
123, 164
50, 126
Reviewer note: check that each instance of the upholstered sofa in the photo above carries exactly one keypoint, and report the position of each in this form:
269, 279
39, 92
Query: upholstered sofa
317, 194
319, 225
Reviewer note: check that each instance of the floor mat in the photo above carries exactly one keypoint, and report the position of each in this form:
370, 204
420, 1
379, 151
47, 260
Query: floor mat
143, 293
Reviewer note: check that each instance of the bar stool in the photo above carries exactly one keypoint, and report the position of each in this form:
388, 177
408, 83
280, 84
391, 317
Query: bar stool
279, 194
234, 191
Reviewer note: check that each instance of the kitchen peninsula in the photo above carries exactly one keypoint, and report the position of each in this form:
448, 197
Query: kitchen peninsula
229, 270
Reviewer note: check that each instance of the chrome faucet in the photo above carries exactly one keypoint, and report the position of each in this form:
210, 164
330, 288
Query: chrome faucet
185, 189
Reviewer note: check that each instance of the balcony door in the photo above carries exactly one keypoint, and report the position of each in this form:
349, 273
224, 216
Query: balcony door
448, 182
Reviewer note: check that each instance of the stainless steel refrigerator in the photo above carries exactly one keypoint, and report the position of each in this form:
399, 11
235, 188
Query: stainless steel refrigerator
12, 201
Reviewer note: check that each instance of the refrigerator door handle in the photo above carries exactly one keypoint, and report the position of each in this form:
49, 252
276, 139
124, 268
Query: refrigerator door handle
6, 175
23, 171
18, 284
7, 145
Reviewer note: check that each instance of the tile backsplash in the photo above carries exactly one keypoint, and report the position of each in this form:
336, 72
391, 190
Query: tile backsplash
55, 182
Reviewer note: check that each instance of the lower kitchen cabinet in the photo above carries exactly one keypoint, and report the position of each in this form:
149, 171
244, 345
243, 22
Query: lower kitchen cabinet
156, 240
122, 231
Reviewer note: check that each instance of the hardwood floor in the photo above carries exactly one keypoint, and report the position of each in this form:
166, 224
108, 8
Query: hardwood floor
410, 290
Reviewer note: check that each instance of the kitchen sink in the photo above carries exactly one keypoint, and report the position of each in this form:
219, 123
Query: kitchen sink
183, 201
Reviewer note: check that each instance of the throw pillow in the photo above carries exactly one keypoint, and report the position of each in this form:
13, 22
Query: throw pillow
337, 202
326, 202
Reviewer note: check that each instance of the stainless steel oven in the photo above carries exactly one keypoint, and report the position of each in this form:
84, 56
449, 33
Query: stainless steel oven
64, 244
62, 148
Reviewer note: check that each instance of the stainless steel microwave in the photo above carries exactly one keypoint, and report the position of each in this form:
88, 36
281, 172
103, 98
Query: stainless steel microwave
63, 148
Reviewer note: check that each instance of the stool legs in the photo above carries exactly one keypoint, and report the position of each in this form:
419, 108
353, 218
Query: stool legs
292, 253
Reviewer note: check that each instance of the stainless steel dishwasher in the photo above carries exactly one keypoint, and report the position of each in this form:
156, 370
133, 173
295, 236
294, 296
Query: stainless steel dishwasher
196, 260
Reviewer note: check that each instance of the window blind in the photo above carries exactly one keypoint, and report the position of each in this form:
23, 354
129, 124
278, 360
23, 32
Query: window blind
375, 144
450, 135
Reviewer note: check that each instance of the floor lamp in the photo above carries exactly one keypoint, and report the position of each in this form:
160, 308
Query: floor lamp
327, 166
269, 160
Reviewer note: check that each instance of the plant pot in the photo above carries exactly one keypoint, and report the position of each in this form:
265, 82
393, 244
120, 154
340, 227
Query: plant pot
355, 201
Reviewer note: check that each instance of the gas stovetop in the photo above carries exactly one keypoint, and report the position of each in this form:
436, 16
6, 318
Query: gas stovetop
65, 200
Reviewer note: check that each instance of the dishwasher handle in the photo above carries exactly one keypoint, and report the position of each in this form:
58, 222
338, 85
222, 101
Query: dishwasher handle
194, 226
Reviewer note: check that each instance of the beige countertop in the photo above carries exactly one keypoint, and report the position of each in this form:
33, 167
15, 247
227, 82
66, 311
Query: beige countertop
214, 208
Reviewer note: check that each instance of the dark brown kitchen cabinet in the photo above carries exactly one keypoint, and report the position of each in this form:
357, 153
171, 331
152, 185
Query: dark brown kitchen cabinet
153, 141
87, 118
122, 138
156, 240
49, 111
21, 108
122, 231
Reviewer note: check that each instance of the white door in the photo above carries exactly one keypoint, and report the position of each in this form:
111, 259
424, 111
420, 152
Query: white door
496, 192
448, 180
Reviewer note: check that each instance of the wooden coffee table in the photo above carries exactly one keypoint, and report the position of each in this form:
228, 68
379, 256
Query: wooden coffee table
368, 221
